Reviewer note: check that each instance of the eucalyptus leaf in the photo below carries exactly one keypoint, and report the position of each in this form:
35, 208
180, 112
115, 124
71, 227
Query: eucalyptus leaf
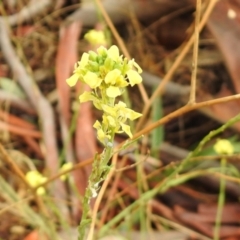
11, 86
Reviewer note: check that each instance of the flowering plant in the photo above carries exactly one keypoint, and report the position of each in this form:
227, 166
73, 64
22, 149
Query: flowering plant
107, 74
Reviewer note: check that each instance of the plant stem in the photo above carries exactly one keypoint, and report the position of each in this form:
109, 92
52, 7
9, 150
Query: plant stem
98, 174
162, 187
221, 201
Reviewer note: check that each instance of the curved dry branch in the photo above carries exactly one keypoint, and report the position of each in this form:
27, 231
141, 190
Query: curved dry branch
119, 10
40, 103
31, 10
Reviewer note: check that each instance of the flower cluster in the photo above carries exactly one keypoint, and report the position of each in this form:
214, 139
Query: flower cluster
35, 178
224, 147
95, 37
107, 74
65, 167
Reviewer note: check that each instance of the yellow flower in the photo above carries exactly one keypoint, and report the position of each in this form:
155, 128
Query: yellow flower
35, 178
73, 80
81, 64
101, 135
112, 76
92, 80
133, 63
113, 92
224, 147
95, 37
126, 129
84, 60
134, 77
113, 53
65, 167
88, 96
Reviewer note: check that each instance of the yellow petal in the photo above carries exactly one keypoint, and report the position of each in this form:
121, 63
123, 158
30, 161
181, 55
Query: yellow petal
111, 121
72, 80
112, 76
132, 115
84, 60
92, 80
97, 124
132, 63
110, 110
87, 96
134, 77
113, 52
41, 191
126, 129
113, 92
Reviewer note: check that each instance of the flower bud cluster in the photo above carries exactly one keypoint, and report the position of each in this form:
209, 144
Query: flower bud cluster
107, 74
223, 147
35, 178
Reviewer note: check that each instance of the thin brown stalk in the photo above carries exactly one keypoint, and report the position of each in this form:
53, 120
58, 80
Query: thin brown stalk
192, 98
58, 175
16, 170
121, 45
7, 159
183, 110
112, 191
175, 65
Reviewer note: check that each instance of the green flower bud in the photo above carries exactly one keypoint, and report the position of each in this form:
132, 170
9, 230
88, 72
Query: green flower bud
93, 66
102, 51
92, 56
109, 63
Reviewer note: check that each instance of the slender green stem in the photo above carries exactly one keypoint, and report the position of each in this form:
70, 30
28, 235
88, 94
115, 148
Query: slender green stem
221, 201
164, 185
98, 174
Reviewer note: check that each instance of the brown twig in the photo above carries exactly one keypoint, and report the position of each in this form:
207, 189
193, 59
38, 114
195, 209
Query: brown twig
58, 175
42, 106
7, 159
20, 174
19, 130
120, 43
28, 12
183, 110
16, 101
175, 65
192, 98
112, 192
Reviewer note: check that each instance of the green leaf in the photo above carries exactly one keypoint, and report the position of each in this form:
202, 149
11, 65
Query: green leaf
11, 86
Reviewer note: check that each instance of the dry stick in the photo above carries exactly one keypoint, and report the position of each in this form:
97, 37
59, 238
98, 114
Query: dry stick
13, 165
36, 98
192, 98
21, 175
121, 45
40, 103
175, 65
19, 130
58, 175
112, 192
28, 12
183, 110
16, 101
